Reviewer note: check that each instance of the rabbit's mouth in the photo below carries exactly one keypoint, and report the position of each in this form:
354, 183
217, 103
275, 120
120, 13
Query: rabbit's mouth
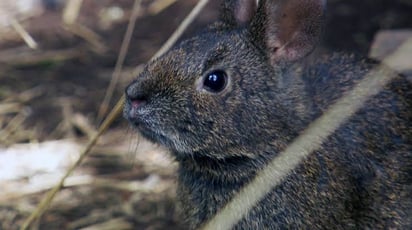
143, 118
154, 132
170, 141
147, 129
153, 136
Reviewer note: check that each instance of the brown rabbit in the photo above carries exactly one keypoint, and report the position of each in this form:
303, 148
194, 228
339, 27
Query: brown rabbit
229, 100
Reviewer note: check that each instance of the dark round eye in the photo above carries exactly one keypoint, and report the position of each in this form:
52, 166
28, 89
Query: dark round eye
215, 81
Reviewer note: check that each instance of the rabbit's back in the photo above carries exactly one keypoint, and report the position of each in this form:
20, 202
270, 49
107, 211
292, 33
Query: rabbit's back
229, 101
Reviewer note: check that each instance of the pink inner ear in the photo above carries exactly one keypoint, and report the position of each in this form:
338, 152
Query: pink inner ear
244, 10
293, 28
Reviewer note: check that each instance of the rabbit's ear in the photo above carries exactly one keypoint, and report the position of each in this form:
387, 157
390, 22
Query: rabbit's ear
238, 12
289, 29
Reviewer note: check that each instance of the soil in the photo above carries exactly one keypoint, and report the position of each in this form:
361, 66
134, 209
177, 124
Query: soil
69, 74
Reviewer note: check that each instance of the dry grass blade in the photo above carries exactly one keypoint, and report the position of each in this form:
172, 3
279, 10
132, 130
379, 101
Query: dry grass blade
310, 140
118, 223
71, 11
160, 5
120, 60
168, 44
28, 95
70, 14
11, 107
116, 111
88, 35
182, 27
23, 57
24, 34
6, 135
82, 123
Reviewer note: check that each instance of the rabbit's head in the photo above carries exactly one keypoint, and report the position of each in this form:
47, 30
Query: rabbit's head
225, 92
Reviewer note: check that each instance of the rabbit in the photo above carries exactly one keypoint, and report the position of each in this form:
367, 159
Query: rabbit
228, 100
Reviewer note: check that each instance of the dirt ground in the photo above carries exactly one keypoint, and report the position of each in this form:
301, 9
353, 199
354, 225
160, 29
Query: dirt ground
54, 93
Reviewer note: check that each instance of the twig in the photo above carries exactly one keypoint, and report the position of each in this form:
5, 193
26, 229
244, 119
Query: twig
10, 107
116, 223
71, 11
82, 123
52, 193
158, 6
13, 126
70, 15
24, 57
116, 111
67, 112
169, 43
30, 94
10, 196
88, 35
24, 34
120, 60
182, 27
93, 220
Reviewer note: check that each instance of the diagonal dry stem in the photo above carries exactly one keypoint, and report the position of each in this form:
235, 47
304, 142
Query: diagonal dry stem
159, 5
120, 61
168, 44
71, 11
115, 112
52, 193
182, 27
310, 140
28, 39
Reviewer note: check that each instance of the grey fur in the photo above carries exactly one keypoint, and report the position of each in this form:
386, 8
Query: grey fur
360, 178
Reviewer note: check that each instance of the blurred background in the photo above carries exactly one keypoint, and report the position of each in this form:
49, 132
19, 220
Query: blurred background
57, 59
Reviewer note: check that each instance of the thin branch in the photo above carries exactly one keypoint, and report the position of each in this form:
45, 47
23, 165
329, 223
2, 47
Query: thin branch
88, 35
120, 60
28, 39
168, 44
182, 27
70, 14
115, 112
160, 5
71, 11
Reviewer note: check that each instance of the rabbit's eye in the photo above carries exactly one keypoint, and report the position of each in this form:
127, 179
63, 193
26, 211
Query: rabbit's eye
215, 81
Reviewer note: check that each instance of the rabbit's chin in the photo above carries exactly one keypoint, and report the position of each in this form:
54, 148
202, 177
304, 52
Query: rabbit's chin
172, 142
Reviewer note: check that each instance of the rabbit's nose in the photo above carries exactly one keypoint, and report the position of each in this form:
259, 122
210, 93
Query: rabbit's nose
135, 97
